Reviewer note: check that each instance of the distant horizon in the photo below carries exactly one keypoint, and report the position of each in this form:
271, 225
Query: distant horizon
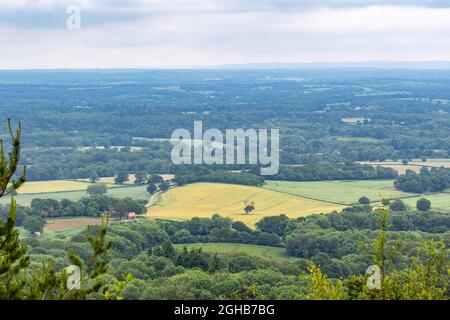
368, 64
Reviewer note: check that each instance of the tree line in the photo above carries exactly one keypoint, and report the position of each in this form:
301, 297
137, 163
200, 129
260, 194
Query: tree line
220, 176
332, 171
434, 180
33, 218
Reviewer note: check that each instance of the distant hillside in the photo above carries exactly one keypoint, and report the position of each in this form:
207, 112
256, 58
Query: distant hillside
435, 65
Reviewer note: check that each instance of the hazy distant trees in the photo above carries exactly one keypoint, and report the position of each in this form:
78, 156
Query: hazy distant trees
140, 178
219, 176
154, 178
331, 171
434, 180
121, 177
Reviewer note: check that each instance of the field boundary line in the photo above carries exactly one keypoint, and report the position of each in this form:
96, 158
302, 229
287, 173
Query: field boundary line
309, 198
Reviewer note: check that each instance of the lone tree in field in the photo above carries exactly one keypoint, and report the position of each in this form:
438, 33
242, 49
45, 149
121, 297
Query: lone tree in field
97, 189
364, 201
385, 202
249, 206
423, 204
121, 177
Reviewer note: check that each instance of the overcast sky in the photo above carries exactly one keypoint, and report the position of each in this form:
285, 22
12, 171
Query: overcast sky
181, 33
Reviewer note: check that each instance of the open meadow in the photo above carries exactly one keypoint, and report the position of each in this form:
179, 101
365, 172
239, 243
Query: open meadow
439, 201
205, 199
341, 192
266, 252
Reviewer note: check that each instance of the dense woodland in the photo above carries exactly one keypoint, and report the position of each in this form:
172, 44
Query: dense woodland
340, 244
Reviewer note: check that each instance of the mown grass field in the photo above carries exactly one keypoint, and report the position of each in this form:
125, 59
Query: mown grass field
342, 192
266, 252
205, 199
135, 192
439, 201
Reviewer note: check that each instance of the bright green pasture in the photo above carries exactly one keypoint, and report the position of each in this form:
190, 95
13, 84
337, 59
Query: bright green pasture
266, 252
342, 192
439, 201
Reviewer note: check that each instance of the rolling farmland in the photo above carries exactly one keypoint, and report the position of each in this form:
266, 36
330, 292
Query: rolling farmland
205, 199
341, 192
439, 201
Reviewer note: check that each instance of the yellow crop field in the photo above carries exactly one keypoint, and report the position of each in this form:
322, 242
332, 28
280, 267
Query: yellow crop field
205, 199
51, 186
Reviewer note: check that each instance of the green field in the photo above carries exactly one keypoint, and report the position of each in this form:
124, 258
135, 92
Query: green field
135, 192
266, 252
64, 234
342, 192
439, 201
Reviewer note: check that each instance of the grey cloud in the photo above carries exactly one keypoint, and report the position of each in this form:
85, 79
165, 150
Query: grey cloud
98, 12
